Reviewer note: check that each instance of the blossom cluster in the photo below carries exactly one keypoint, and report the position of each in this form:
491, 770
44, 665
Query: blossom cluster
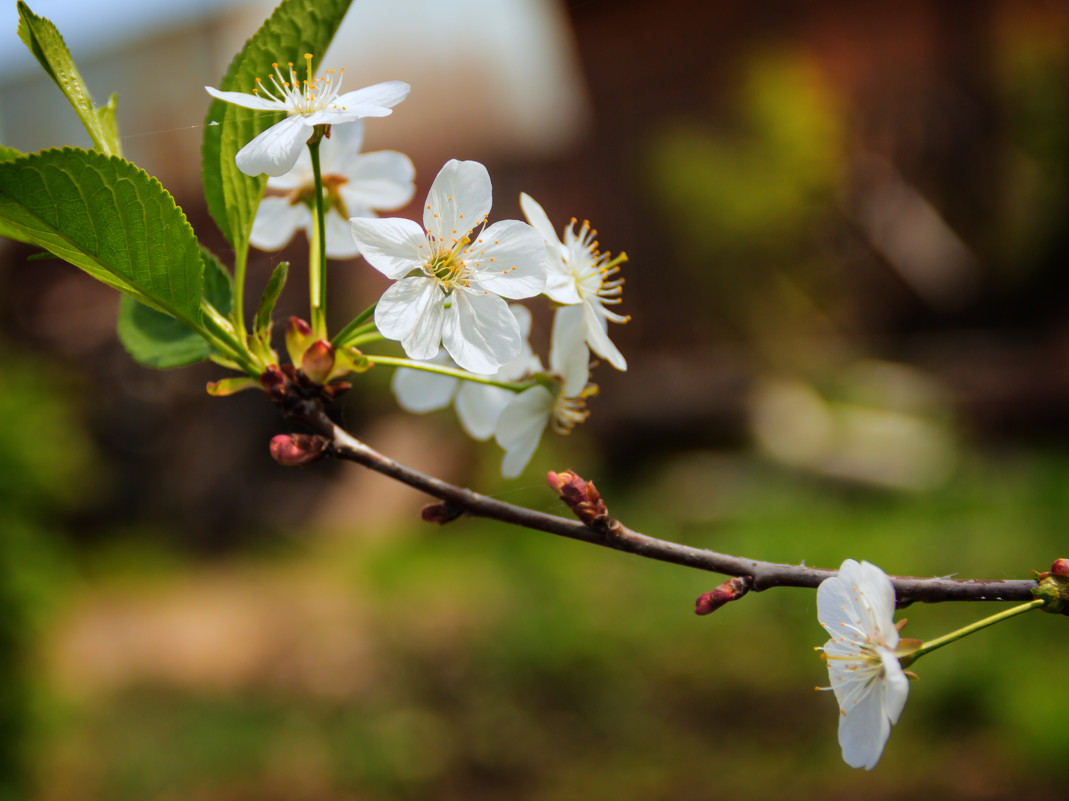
453, 276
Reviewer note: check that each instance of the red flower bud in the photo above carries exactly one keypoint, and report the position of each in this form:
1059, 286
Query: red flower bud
730, 590
298, 337
581, 496
297, 450
1060, 567
318, 361
440, 513
274, 382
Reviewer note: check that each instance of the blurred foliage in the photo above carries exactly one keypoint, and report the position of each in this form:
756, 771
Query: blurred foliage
746, 201
1032, 78
502, 662
44, 470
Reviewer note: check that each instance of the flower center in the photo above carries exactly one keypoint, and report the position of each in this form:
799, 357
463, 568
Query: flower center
570, 412
594, 271
302, 97
447, 266
305, 193
860, 670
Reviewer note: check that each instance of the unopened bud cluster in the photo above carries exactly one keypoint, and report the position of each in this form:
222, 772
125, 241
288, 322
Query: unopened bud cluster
1053, 587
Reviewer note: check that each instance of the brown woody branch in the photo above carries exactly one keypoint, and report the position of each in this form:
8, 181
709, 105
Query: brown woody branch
610, 533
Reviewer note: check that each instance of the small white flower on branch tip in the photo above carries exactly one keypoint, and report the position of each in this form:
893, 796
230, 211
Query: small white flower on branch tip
450, 278
306, 103
582, 279
355, 184
521, 424
478, 406
856, 608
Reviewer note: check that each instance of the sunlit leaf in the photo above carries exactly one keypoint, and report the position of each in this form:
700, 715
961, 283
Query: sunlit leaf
9, 154
48, 47
111, 219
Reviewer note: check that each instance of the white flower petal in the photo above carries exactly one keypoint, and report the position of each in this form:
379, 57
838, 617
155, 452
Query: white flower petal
394, 246
538, 218
523, 319
896, 686
459, 200
863, 732
520, 426
340, 242
376, 100
569, 333
420, 391
298, 176
508, 258
575, 372
525, 363
561, 285
275, 150
879, 603
479, 406
411, 312
338, 151
381, 180
480, 332
277, 220
246, 100
597, 336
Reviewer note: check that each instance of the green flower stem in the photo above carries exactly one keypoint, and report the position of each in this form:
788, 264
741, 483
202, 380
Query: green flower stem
220, 333
358, 325
317, 261
370, 335
911, 657
455, 372
237, 304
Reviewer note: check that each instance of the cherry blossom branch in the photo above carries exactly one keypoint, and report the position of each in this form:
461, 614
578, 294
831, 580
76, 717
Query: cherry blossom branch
600, 528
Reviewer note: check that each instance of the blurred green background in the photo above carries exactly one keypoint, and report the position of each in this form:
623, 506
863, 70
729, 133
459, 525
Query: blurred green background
847, 237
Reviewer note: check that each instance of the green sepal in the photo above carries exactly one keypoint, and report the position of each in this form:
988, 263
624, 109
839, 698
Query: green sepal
296, 27
230, 386
349, 360
261, 330
48, 47
158, 340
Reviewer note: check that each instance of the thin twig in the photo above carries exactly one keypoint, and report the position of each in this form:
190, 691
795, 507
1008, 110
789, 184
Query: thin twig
613, 534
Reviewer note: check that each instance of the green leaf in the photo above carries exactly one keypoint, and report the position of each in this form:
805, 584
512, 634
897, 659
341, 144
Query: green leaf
111, 219
158, 340
296, 27
48, 47
262, 325
10, 154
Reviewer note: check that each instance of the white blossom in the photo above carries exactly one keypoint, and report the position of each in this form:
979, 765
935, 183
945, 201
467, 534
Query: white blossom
451, 278
307, 103
560, 401
583, 280
355, 184
478, 406
857, 608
